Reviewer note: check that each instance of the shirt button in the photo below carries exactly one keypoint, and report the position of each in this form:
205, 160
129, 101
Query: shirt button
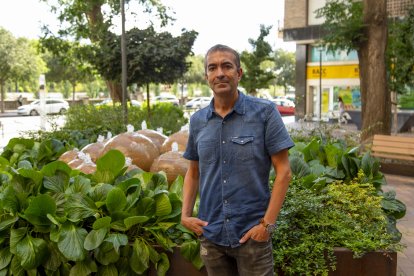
224, 181
227, 220
224, 142
224, 161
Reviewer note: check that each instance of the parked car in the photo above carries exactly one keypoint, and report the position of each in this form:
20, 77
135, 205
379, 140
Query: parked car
166, 99
104, 102
50, 106
198, 102
285, 107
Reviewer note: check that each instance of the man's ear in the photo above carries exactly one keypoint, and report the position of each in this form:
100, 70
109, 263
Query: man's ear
240, 73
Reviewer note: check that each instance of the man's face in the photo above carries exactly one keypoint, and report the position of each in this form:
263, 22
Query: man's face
222, 73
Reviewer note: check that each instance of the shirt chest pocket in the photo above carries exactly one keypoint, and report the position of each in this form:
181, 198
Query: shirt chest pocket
243, 147
207, 152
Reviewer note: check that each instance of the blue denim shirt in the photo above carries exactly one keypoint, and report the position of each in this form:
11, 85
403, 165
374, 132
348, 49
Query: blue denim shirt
234, 164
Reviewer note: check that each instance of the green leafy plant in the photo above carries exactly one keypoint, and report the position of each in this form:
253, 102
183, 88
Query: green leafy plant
311, 224
84, 123
58, 220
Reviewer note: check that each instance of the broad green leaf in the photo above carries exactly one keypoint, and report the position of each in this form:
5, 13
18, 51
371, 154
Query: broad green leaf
79, 206
85, 267
153, 255
100, 191
116, 200
128, 184
131, 221
5, 257
162, 205
108, 270
317, 169
9, 201
58, 182
55, 258
15, 267
146, 207
298, 166
4, 163
163, 265
51, 168
103, 177
106, 254
6, 221
113, 161
189, 249
95, 238
162, 239
4, 272
31, 252
177, 186
38, 209
30, 173
139, 260
24, 164
71, 240
49, 149
16, 235
117, 240
101, 223
80, 185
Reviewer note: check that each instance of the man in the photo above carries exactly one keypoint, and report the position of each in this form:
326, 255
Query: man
232, 144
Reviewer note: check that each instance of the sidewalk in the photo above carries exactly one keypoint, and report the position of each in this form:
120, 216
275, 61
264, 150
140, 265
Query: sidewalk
9, 113
404, 187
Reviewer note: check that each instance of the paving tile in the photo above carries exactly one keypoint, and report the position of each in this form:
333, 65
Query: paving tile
404, 188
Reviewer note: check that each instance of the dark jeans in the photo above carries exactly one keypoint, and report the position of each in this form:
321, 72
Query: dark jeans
249, 259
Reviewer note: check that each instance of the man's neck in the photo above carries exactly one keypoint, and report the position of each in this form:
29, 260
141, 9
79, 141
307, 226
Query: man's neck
224, 104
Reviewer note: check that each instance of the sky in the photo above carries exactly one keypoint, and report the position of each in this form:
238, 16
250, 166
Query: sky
230, 22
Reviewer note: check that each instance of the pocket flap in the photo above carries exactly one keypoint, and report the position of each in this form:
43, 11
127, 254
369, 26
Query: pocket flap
242, 140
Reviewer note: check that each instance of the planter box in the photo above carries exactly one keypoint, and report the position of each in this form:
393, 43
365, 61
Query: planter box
376, 263
373, 263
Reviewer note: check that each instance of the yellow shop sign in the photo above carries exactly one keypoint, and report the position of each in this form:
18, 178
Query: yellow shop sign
334, 72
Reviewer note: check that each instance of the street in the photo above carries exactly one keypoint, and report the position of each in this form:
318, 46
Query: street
15, 126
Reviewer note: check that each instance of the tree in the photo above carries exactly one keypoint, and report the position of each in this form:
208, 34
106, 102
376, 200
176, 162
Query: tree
362, 25
66, 62
18, 61
152, 57
400, 58
195, 73
285, 69
254, 76
7, 60
91, 19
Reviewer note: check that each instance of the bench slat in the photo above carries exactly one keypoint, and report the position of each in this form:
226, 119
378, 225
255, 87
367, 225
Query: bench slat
393, 147
404, 139
393, 156
402, 151
394, 144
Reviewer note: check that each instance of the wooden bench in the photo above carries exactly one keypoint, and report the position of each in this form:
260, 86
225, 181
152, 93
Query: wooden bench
394, 148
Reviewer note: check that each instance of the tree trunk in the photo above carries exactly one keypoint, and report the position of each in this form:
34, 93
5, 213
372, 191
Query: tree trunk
375, 98
115, 90
2, 83
148, 102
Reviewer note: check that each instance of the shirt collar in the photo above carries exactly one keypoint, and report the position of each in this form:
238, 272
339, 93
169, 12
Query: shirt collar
239, 106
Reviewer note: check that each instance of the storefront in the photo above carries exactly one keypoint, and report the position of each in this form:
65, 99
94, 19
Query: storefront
329, 76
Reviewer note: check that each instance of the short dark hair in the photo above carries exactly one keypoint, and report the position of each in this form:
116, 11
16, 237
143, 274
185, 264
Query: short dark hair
222, 48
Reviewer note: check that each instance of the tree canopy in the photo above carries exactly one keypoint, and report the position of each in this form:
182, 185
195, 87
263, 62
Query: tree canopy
284, 69
362, 25
254, 76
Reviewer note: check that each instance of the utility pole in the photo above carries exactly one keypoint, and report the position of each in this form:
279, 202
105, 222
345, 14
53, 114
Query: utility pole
124, 65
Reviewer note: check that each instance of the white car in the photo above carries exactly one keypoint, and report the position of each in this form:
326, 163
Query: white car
50, 106
167, 99
199, 102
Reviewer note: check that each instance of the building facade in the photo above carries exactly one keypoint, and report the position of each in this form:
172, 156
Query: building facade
322, 77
